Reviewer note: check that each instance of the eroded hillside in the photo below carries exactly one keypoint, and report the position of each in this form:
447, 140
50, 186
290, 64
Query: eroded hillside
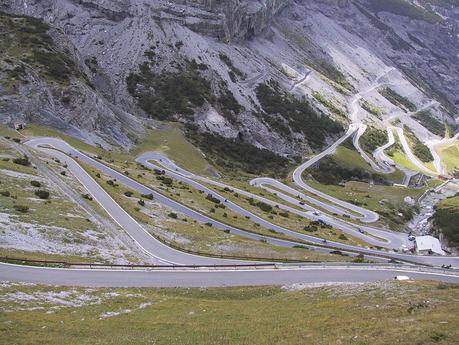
105, 70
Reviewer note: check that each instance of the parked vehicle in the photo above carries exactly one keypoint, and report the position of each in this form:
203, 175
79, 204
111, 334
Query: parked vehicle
402, 278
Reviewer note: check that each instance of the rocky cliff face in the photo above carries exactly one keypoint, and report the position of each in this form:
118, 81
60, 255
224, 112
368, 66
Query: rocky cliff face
320, 50
231, 20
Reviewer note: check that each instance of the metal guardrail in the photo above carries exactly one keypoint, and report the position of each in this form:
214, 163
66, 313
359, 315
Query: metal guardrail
132, 266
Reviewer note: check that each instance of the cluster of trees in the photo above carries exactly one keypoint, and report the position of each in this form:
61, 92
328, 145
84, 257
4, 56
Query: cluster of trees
329, 103
55, 65
371, 108
419, 149
393, 214
260, 204
163, 95
332, 173
445, 218
39, 47
426, 119
235, 155
373, 138
234, 72
422, 152
397, 99
285, 113
229, 106
328, 69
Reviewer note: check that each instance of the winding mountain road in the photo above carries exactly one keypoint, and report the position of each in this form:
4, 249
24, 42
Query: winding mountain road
66, 152
165, 255
278, 274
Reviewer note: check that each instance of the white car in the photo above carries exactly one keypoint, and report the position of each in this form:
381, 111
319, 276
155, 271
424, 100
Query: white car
402, 278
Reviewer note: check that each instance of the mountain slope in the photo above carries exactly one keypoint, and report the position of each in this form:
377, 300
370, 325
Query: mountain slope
204, 63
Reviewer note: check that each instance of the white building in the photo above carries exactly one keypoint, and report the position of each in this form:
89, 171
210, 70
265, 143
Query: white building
428, 245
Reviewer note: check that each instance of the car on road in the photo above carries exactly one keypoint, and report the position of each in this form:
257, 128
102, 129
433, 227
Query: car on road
402, 278
315, 213
361, 231
411, 238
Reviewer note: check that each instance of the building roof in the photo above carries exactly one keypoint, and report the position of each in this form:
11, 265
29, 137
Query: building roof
429, 243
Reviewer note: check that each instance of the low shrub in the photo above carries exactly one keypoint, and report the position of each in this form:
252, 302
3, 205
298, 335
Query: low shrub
42, 194
148, 196
22, 161
215, 200
21, 208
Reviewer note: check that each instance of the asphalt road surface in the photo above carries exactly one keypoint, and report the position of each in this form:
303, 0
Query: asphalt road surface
210, 278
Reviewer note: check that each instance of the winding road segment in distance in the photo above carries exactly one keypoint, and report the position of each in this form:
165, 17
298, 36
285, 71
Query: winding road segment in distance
170, 255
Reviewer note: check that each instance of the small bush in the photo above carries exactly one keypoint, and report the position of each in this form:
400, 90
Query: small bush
21, 208
128, 193
35, 184
167, 181
264, 207
141, 202
5, 193
148, 196
22, 161
210, 197
343, 237
42, 194
86, 196
436, 336
172, 215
